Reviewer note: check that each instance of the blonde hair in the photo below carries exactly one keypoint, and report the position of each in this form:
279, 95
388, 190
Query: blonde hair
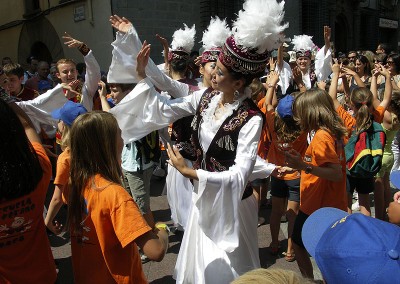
314, 109
271, 276
362, 100
93, 151
64, 61
65, 137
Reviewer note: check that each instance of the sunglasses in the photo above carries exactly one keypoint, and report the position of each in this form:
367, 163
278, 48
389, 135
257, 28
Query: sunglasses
389, 62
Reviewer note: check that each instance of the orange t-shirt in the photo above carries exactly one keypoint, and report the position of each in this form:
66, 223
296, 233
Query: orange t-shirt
106, 252
316, 192
265, 138
62, 172
275, 155
25, 253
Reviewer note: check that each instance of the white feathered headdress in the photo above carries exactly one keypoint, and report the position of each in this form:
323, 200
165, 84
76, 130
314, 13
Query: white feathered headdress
257, 30
183, 39
216, 33
302, 42
259, 25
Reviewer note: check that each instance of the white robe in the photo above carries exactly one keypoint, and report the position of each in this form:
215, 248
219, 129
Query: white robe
220, 242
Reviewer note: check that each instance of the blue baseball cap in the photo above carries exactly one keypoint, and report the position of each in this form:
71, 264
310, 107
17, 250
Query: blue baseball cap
353, 248
69, 112
284, 108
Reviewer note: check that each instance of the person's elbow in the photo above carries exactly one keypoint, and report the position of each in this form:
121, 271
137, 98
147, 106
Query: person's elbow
152, 246
157, 251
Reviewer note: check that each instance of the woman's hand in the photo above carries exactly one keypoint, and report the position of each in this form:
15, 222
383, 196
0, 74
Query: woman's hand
348, 71
273, 78
71, 89
175, 159
122, 25
142, 60
102, 89
271, 64
294, 160
396, 197
163, 41
297, 76
55, 227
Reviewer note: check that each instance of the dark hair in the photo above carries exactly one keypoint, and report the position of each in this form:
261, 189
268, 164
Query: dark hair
178, 65
248, 78
381, 58
395, 103
124, 87
20, 170
30, 58
385, 47
13, 69
363, 59
396, 59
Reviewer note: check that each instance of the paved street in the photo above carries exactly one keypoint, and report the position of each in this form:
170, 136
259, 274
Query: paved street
162, 272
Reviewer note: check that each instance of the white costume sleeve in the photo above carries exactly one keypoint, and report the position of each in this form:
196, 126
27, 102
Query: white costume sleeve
219, 193
127, 46
396, 152
285, 75
323, 64
92, 79
39, 109
144, 110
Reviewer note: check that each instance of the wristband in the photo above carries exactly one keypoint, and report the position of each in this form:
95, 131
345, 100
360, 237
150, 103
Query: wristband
163, 227
84, 49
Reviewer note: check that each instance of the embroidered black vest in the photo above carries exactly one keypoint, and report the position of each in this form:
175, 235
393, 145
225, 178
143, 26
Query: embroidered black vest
222, 150
181, 128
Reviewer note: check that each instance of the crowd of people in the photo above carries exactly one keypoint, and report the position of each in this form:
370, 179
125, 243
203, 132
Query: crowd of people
316, 126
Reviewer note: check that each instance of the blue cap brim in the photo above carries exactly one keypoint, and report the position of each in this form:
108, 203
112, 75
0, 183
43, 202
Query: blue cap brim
317, 224
56, 114
395, 178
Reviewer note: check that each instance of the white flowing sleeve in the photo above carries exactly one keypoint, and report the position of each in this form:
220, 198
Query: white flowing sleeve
285, 75
396, 152
39, 109
127, 46
92, 78
144, 110
323, 64
220, 193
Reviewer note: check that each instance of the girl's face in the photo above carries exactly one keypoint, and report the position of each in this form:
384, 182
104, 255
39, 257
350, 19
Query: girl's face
390, 66
359, 66
222, 80
206, 71
303, 63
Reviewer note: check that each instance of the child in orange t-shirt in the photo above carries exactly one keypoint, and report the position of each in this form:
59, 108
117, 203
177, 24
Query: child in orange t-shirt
66, 116
366, 109
105, 223
285, 182
323, 169
25, 253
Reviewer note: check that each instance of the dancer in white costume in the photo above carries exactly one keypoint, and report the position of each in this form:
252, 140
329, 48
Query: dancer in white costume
220, 242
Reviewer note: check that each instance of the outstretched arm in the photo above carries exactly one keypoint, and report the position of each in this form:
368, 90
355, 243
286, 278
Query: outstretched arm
122, 25
334, 83
164, 43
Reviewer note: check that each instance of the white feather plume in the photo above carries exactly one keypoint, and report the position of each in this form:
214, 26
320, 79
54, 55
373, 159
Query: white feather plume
183, 39
216, 33
302, 42
259, 25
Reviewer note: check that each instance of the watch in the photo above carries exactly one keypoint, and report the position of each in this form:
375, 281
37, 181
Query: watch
308, 169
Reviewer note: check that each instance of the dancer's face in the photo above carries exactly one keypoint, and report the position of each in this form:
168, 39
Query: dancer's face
223, 81
206, 70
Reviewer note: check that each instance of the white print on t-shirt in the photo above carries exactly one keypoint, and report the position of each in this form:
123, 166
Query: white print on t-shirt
17, 226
